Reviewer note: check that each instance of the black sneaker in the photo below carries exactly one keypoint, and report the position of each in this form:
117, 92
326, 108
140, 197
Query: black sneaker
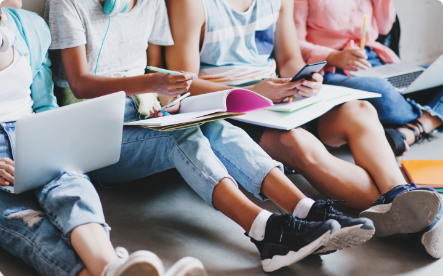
354, 231
404, 209
288, 240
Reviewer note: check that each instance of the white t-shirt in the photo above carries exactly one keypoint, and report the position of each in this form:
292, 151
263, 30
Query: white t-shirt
15, 90
82, 22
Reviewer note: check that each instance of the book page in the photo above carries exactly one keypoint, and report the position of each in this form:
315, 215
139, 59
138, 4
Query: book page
215, 102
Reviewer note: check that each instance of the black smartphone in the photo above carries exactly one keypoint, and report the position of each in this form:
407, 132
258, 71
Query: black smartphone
308, 70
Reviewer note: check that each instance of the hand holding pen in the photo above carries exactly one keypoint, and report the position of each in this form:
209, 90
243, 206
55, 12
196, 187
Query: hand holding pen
170, 108
171, 83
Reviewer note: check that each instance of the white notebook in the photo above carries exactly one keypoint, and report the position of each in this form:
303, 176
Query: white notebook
306, 110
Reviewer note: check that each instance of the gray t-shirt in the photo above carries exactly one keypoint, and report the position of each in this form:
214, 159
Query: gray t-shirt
82, 22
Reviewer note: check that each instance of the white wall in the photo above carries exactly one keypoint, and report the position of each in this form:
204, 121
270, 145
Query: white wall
37, 6
421, 28
421, 23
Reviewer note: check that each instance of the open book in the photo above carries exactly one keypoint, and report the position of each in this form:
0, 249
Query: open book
205, 108
287, 116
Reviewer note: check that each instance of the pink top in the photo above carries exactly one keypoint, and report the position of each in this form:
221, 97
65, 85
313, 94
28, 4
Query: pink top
324, 26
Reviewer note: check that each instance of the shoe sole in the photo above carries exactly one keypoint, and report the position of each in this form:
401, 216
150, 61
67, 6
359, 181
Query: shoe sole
409, 213
433, 240
278, 262
347, 237
142, 263
187, 266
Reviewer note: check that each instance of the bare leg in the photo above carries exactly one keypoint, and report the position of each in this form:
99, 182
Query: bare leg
92, 244
280, 190
357, 124
333, 177
229, 200
429, 122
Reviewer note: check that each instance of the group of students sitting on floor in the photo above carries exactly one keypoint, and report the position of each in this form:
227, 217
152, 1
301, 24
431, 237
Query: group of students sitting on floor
99, 47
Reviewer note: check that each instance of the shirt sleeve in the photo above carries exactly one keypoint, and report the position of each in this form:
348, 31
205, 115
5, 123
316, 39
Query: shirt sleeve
161, 32
66, 26
384, 12
311, 53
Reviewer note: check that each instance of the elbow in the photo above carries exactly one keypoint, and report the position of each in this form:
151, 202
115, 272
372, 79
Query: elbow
78, 88
77, 91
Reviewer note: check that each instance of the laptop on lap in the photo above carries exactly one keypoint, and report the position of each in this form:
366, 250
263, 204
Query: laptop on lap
81, 137
407, 78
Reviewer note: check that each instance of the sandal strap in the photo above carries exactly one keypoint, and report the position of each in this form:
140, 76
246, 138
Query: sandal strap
422, 134
416, 134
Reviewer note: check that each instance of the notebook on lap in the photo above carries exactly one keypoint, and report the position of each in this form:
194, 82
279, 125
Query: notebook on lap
81, 137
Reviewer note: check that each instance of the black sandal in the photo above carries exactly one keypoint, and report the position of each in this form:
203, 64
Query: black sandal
396, 140
421, 134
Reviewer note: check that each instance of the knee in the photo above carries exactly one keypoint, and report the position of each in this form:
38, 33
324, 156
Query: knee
360, 116
302, 148
359, 112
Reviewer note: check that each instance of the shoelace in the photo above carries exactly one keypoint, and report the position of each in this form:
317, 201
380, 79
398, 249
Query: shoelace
289, 221
329, 209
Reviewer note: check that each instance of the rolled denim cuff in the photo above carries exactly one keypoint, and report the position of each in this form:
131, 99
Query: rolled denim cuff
208, 196
430, 110
257, 182
67, 237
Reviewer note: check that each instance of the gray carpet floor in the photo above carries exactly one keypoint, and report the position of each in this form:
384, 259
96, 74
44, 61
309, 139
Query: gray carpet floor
162, 214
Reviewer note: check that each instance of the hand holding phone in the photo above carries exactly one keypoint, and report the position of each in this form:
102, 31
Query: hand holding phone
306, 73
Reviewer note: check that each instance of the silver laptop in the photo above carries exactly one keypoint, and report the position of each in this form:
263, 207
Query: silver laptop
407, 78
81, 137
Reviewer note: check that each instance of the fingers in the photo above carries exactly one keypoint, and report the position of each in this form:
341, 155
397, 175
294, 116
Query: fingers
366, 63
154, 113
359, 64
182, 77
173, 109
292, 85
317, 77
307, 91
7, 161
4, 182
359, 53
7, 173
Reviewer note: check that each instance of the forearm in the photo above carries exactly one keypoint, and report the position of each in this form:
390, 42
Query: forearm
200, 86
91, 86
291, 67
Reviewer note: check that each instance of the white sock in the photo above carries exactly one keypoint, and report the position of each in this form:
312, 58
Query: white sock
258, 227
303, 207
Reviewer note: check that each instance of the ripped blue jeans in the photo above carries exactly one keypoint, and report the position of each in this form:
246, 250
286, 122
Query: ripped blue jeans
36, 226
393, 108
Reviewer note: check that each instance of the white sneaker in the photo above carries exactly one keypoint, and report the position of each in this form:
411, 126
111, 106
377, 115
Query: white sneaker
187, 266
138, 263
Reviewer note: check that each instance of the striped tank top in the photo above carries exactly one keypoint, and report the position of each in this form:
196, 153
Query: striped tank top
237, 46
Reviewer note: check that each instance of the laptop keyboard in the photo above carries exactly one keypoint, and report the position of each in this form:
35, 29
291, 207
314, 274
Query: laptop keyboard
403, 81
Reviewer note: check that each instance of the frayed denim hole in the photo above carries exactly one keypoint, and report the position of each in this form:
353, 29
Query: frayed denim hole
31, 217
